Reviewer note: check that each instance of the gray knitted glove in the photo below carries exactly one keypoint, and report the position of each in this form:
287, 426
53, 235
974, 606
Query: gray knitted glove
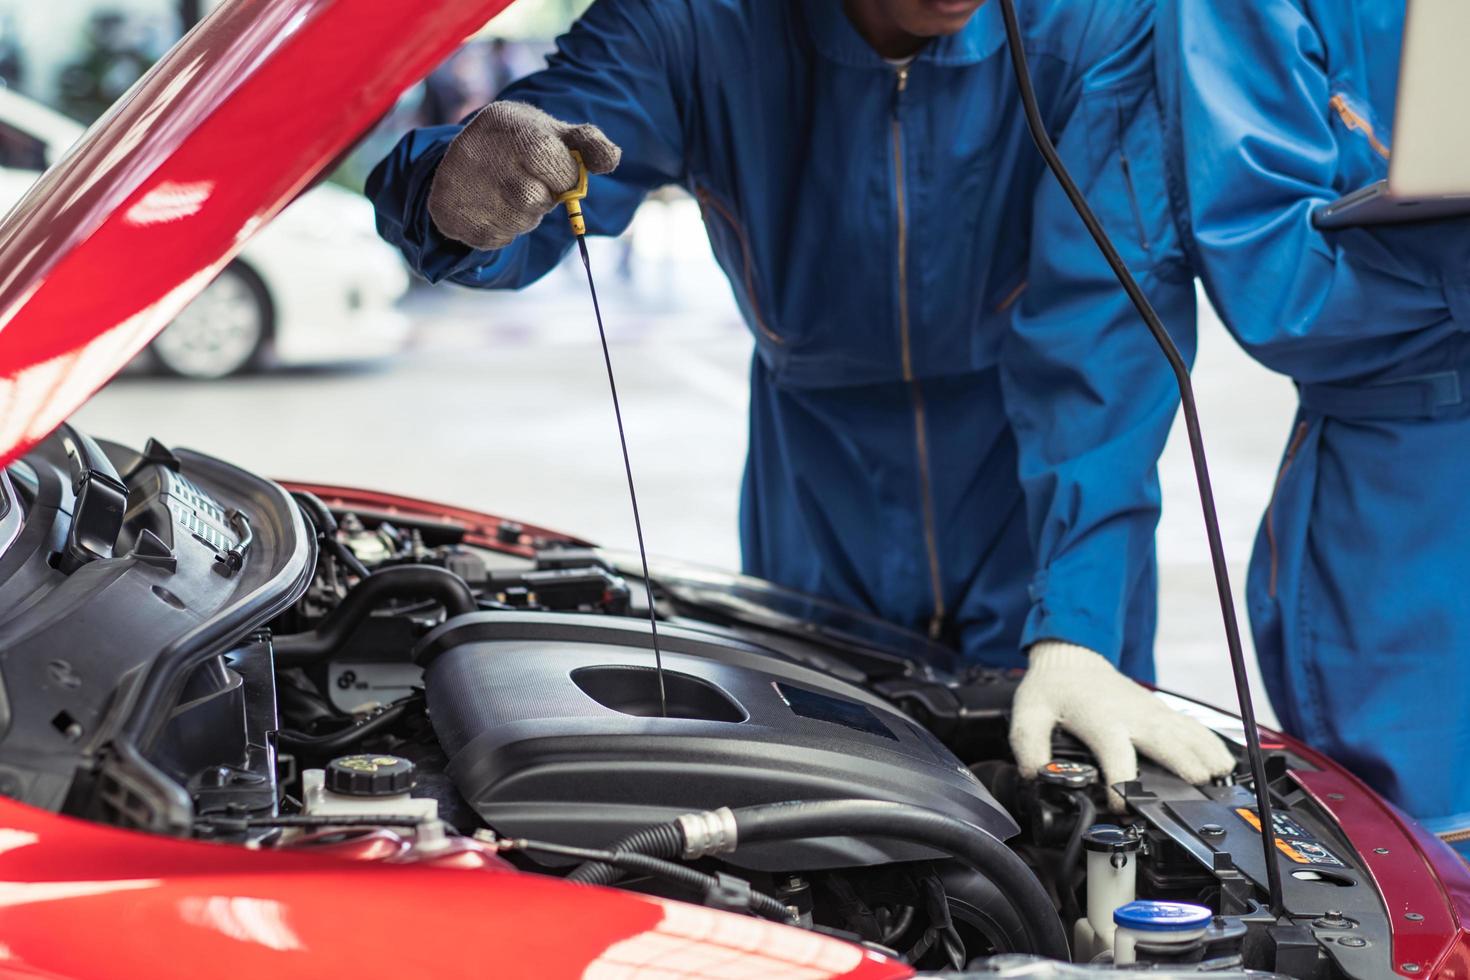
504, 171
1113, 716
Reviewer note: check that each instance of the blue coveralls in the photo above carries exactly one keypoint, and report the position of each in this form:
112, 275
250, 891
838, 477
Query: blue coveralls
1357, 589
925, 423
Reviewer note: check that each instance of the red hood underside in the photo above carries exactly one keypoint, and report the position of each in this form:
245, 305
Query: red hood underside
166, 188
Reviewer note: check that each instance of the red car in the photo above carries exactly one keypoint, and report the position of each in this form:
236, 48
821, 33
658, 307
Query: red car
254, 730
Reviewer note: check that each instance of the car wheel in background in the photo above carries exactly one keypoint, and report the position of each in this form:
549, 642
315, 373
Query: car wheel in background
223, 332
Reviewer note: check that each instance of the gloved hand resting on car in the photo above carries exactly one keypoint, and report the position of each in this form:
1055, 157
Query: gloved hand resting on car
1115, 717
504, 171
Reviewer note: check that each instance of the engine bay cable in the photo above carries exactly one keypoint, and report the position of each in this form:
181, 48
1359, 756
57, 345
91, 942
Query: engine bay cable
326, 532
725, 831
986, 854
1071, 856
721, 890
660, 841
395, 582
1160, 333
337, 742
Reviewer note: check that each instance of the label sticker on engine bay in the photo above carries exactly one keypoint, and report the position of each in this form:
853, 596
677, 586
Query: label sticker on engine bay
1292, 839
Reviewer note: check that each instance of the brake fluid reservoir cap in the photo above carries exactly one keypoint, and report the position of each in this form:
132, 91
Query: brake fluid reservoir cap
1109, 839
1146, 916
370, 774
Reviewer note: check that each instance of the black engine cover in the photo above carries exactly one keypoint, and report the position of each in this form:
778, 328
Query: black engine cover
552, 727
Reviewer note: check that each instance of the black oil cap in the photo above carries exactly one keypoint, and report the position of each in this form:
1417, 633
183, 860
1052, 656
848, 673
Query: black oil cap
370, 775
1110, 839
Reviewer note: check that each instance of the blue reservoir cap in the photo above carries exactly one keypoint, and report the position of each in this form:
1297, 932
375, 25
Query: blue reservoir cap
1162, 916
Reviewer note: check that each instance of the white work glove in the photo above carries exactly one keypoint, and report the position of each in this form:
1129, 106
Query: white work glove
1113, 716
505, 170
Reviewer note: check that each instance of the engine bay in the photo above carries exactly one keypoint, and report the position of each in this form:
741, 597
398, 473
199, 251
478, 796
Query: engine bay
191, 649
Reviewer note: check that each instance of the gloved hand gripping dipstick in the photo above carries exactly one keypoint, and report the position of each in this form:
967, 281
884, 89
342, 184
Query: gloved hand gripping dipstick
573, 201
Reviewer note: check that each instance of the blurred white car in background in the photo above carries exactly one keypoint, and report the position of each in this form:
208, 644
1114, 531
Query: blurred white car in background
315, 285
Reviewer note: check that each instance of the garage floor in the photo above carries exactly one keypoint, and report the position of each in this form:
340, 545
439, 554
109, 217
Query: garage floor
501, 404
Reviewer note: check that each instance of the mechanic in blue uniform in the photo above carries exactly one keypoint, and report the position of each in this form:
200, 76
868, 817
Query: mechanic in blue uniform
926, 443
1358, 583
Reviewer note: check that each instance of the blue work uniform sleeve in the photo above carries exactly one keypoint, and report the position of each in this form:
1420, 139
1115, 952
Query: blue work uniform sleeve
1090, 396
623, 66
1259, 136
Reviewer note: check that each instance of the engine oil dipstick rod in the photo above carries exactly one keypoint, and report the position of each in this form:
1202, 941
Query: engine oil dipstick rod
573, 201
1036, 123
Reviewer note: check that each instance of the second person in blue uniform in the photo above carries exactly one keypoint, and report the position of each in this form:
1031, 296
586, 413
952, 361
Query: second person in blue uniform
928, 440
1357, 589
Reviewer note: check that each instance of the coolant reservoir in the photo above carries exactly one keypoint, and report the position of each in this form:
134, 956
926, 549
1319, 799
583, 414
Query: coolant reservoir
1112, 875
1171, 926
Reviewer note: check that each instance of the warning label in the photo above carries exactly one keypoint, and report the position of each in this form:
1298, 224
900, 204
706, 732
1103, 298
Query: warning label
1293, 840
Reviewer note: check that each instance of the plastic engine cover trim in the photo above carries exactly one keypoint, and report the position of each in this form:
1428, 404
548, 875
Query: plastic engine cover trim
538, 756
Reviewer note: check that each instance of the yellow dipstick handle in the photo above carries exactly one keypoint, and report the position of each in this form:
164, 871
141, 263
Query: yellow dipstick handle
573, 198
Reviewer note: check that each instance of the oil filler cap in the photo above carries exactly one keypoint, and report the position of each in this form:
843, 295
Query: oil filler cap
369, 774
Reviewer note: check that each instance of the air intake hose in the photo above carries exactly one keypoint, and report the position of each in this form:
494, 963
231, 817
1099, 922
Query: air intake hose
724, 831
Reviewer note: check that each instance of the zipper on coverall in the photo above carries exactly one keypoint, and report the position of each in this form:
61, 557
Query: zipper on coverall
921, 436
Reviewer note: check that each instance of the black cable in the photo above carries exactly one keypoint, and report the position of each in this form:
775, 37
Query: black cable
895, 929
882, 820
344, 554
1192, 426
983, 852
665, 840
396, 582
326, 527
320, 514
334, 743
1066, 880
941, 931
765, 905
658, 659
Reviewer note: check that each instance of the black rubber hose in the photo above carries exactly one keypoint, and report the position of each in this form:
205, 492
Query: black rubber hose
345, 556
898, 926
760, 903
662, 841
983, 852
987, 854
317, 510
334, 743
326, 526
396, 582
706, 884
1066, 878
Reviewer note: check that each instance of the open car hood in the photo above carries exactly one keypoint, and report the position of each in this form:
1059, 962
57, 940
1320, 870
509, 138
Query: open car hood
159, 195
